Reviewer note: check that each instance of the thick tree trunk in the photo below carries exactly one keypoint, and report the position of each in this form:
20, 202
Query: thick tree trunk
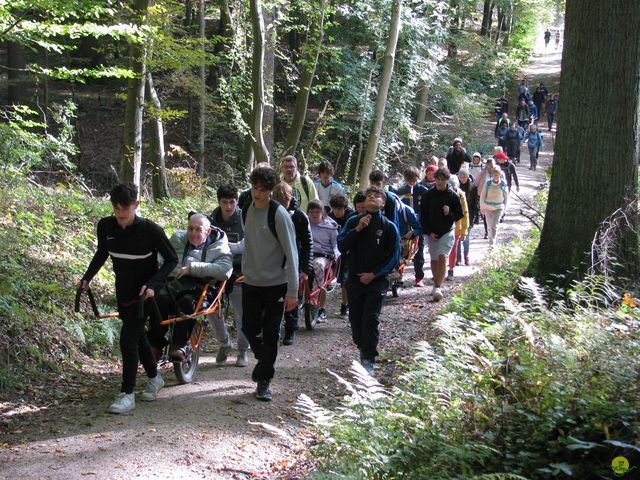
421, 116
487, 11
454, 30
133, 116
257, 84
156, 143
595, 165
499, 27
308, 66
16, 66
203, 92
363, 116
188, 14
224, 35
383, 90
270, 16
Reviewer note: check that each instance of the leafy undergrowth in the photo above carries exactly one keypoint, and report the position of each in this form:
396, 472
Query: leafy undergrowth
509, 389
48, 239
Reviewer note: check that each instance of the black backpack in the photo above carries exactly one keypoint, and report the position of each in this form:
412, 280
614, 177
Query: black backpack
271, 216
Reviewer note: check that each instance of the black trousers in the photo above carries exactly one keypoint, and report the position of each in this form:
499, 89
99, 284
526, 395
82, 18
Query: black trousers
418, 260
181, 330
262, 312
134, 348
365, 304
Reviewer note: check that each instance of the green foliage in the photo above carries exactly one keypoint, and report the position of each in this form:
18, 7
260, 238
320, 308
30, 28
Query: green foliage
506, 389
26, 143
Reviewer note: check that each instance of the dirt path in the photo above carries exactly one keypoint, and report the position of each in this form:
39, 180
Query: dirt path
213, 427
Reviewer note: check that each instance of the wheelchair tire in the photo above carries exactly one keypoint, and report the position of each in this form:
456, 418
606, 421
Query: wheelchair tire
186, 371
310, 316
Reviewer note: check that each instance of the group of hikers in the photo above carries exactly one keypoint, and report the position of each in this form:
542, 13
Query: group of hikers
283, 231
547, 38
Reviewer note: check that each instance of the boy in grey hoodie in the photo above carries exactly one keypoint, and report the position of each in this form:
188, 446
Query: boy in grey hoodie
270, 268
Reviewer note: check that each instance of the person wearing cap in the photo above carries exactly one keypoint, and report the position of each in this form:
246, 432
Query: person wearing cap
476, 165
509, 170
456, 156
429, 180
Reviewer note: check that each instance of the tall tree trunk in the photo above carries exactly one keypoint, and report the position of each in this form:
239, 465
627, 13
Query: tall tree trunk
159, 185
188, 17
487, 12
421, 117
363, 117
454, 30
133, 116
16, 66
603, 136
507, 26
499, 27
203, 92
270, 16
383, 90
221, 44
308, 66
257, 83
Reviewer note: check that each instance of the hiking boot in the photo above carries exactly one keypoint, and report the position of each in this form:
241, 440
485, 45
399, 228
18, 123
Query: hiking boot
420, 283
466, 261
153, 387
322, 316
289, 337
262, 391
124, 403
486, 235
223, 353
242, 360
367, 365
449, 275
344, 310
437, 294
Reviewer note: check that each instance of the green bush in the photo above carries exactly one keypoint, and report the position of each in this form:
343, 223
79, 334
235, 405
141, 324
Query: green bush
507, 389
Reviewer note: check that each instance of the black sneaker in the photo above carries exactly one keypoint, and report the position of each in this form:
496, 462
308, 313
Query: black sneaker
262, 391
322, 315
288, 337
344, 310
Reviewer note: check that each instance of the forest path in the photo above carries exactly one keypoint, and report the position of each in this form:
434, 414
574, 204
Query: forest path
213, 428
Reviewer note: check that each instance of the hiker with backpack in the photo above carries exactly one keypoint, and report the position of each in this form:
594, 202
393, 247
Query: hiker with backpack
270, 268
533, 139
303, 188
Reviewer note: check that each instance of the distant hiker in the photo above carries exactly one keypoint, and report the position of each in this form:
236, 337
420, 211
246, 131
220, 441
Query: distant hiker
508, 169
326, 185
533, 139
456, 156
522, 113
512, 141
341, 212
557, 39
133, 243
270, 268
372, 245
539, 97
304, 189
547, 38
461, 225
502, 106
493, 202
471, 195
552, 109
439, 211
522, 87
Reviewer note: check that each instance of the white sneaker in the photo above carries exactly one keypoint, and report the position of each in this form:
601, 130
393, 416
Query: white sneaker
433, 290
242, 360
437, 294
124, 403
153, 387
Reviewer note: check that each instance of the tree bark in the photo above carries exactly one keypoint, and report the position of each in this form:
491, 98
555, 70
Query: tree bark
383, 90
499, 27
259, 148
308, 67
132, 144
270, 16
596, 152
487, 12
454, 30
203, 92
421, 117
16, 66
159, 185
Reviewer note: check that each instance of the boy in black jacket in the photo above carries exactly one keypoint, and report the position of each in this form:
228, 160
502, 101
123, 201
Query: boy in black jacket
373, 246
440, 210
133, 243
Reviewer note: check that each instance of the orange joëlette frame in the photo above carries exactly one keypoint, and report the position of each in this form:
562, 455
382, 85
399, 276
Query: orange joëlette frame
215, 305
329, 275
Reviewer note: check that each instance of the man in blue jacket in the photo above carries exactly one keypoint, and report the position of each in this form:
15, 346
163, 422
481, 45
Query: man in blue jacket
373, 246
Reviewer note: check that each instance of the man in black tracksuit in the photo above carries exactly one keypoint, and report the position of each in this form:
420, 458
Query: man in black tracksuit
133, 244
373, 246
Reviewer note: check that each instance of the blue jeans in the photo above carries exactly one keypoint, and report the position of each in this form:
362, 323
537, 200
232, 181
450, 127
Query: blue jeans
533, 161
463, 247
